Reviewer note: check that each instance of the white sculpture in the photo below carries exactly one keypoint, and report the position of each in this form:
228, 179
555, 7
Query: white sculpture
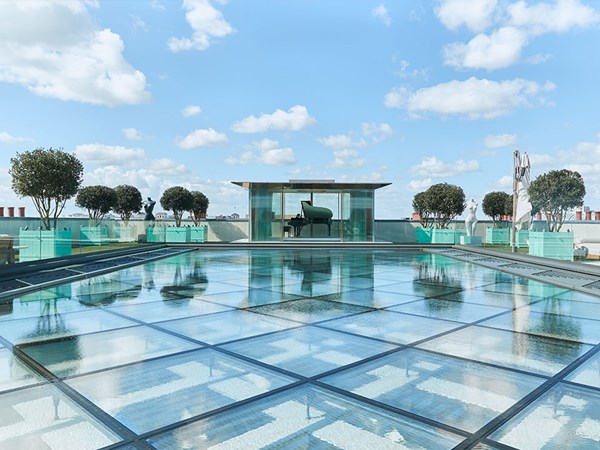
522, 215
471, 220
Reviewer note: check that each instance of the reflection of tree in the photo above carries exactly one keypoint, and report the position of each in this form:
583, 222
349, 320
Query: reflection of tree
555, 324
6, 307
186, 286
433, 279
102, 290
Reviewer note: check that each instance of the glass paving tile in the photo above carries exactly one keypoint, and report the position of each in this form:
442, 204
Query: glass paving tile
588, 373
14, 373
43, 418
313, 289
548, 324
57, 326
447, 309
39, 303
418, 289
90, 352
391, 326
169, 309
566, 307
308, 350
309, 310
578, 297
490, 298
248, 298
306, 417
153, 394
517, 350
565, 417
534, 289
226, 326
372, 298
463, 394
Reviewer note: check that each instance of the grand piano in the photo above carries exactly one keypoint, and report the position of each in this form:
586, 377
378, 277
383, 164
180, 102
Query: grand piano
312, 215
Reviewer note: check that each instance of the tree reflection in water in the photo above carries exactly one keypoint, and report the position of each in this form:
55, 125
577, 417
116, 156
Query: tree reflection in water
433, 278
185, 285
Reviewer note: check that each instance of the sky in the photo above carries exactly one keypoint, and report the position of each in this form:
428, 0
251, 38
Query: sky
199, 93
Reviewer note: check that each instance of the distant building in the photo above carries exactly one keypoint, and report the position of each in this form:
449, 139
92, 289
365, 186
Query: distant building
235, 216
161, 216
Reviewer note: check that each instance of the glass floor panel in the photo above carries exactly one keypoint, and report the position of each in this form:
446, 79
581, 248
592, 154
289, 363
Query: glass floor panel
588, 373
309, 418
564, 417
90, 352
56, 326
42, 417
226, 326
455, 392
150, 395
392, 326
548, 324
517, 350
309, 351
309, 310
199, 350
448, 309
14, 373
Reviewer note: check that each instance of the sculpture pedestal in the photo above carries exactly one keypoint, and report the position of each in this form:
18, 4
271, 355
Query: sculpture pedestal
470, 240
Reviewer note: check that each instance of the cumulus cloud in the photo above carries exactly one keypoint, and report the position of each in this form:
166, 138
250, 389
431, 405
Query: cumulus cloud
515, 25
55, 49
419, 185
433, 167
380, 12
10, 139
191, 110
207, 23
113, 155
377, 132
132, 134
396, 98
504, 182
295, 119
473, 98
500, 140
266, 152
340, 141
347, 158
475, 15
203, 138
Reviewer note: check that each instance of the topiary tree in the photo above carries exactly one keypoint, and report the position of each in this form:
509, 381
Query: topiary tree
177, 199
556, 192
495, 204
50, 177
98, 200
199, 206
420, 206
129, 202
445, 201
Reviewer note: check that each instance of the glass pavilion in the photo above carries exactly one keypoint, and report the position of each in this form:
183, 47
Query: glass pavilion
277, 212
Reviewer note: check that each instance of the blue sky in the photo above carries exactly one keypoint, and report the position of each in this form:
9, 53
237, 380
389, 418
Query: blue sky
200, 93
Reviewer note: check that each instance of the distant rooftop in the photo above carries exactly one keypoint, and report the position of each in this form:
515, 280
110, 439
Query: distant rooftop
315, 185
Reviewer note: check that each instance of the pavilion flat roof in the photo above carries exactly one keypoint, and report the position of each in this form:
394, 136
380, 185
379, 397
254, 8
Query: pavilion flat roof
311, 185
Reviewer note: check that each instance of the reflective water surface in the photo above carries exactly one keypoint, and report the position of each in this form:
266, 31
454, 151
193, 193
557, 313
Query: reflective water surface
300, 348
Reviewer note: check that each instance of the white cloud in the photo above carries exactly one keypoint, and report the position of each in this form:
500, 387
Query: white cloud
9, 139
166, 167
132, 134
558, 17
515, 25
474, 98
500, 140
376, 132
191, 110
505, 182
295, 119
419, 185
207, 23
269, 153
203, 138
105, 155
500, 49
56, 50
431, 166
396, 98
380, 12
347, 158
340, 141
475, 15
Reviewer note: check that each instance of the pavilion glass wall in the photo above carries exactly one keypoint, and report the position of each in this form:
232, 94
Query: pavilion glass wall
265, 215
357, 215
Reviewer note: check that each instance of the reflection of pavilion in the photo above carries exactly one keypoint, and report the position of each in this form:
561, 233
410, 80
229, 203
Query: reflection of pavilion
314, 209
